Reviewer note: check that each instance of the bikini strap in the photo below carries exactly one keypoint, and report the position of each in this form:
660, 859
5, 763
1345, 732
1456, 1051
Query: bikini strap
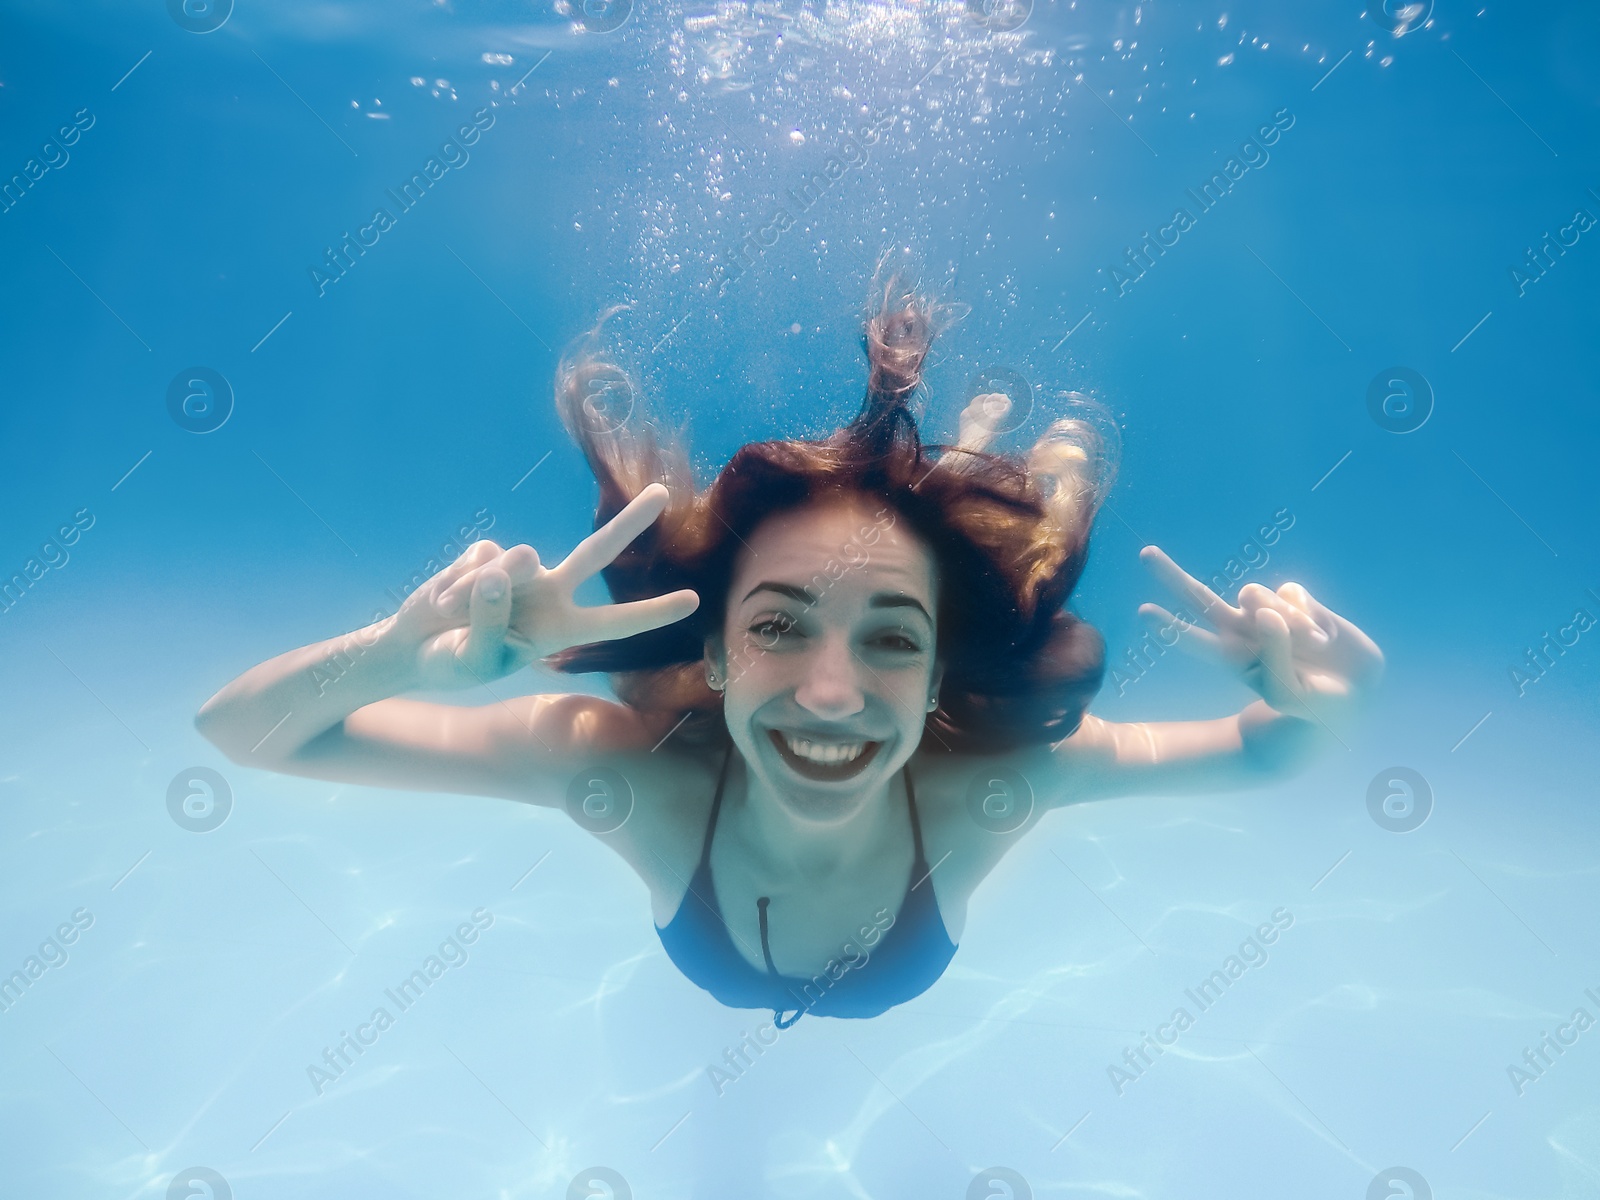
916, 826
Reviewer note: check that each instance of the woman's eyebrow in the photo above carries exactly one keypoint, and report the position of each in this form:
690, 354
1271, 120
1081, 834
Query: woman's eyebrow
897, 600
806, 595
793, 591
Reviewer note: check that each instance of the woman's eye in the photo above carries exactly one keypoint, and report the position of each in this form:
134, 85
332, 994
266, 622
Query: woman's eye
769, 630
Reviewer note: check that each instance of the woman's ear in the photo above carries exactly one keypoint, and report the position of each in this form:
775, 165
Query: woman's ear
714, 660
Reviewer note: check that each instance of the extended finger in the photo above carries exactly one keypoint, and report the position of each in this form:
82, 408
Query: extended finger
612, 621
1185, 586
612, 538
1171, 630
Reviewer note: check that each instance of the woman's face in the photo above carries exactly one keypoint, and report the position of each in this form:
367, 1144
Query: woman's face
828, 640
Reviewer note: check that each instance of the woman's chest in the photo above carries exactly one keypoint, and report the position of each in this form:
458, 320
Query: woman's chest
805, 928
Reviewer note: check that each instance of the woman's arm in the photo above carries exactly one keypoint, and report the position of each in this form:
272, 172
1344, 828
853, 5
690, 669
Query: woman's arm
332, 710
1255, 746
1314, 670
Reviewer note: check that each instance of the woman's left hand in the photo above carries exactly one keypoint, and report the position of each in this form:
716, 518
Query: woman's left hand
1300, 656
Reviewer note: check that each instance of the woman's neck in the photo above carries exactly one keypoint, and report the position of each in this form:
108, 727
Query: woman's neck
788, 846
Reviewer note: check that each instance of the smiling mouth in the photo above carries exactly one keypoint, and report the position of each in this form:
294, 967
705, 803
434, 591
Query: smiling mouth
835, 761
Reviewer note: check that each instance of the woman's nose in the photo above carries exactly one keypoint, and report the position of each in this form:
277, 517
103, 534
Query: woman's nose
831, 688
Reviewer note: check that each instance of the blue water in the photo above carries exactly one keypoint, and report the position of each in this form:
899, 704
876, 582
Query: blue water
186, 220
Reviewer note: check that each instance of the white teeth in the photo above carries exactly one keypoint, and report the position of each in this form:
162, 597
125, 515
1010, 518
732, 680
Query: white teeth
830, 755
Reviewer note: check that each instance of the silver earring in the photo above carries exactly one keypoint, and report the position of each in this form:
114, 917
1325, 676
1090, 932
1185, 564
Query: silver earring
933, 702
711, 680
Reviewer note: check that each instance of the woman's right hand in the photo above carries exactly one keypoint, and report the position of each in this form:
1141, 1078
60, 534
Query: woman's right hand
494, 611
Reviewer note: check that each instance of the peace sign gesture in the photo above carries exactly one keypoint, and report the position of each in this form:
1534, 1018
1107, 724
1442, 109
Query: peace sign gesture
1300, 656
493, 611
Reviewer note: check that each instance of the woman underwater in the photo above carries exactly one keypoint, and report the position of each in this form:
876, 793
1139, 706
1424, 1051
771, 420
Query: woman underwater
848, 682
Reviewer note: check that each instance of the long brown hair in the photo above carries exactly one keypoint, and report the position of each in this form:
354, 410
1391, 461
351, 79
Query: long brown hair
1012, 528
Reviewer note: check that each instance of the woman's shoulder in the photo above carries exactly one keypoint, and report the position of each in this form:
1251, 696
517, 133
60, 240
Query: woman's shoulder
967, 783
650, 806
668, 788
611, 762
992, 789
973, 808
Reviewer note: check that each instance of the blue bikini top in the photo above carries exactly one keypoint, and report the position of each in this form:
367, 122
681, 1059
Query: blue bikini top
902, 963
